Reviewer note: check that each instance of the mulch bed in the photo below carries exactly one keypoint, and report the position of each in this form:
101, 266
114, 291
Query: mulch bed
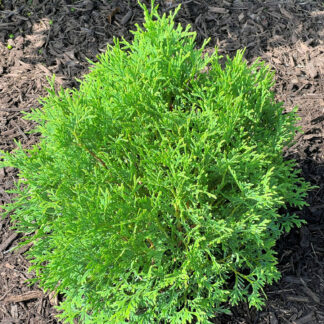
39, 38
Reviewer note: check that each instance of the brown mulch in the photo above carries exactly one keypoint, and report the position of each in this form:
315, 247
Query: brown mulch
57, 36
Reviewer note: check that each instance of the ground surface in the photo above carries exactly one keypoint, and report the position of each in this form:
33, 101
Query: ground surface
56, 36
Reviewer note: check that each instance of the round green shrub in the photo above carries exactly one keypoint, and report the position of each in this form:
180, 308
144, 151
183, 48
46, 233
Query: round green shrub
153, 194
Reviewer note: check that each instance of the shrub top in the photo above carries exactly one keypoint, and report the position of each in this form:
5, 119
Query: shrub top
154, 192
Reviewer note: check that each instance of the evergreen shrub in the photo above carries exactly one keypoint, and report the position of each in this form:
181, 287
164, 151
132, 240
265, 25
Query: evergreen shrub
153, 195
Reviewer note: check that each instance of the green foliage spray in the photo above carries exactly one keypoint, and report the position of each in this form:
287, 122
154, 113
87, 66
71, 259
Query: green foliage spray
153, 194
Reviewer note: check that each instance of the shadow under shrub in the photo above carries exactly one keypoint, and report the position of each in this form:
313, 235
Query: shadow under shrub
154, 192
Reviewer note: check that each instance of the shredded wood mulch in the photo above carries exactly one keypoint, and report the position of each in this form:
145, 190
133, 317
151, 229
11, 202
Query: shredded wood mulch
40, 38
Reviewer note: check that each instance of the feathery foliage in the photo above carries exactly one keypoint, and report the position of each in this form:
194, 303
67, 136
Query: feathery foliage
153, 194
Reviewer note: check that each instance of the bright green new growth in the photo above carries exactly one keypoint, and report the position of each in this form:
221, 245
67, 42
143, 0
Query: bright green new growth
154, 192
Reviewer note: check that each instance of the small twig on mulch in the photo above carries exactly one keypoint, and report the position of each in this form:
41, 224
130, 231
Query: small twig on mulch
24, 297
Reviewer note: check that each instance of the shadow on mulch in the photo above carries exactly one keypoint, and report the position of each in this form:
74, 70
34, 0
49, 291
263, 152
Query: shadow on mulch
57, 37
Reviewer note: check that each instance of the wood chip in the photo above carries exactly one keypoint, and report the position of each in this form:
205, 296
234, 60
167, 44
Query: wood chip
286, 14
52, 297
44, 69
241, 16
9, 266
238, 4
14, 311
298, 299
8, 241
10, 320
127, 17
310, 70
317, 13
19, 130
15, 109
24, 248
273, 318
112, 14
302, 48
309, 292
4, 25
2, 174
218, 10
24, 297
305, 319
169, 3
